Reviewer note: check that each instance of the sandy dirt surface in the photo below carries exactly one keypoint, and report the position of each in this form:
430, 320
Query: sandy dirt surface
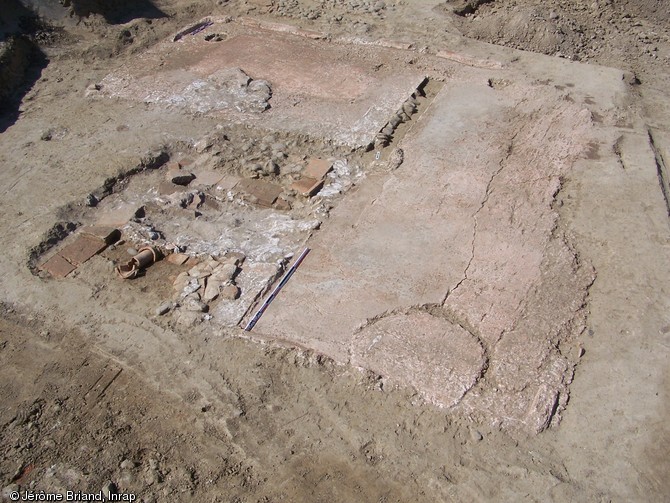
483, 315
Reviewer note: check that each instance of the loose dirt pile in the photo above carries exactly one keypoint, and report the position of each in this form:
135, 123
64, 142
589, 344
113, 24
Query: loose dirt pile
626, 34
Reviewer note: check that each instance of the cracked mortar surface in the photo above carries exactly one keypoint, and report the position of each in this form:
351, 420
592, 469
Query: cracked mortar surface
482, 166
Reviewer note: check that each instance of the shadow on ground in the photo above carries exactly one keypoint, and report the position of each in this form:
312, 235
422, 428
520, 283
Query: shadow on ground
21, 59
15, 18
21, 65
116, 11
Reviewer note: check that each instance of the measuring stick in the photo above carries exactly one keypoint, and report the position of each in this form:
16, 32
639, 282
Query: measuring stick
274, 293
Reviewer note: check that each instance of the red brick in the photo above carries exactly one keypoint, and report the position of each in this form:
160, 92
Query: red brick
57, 266
307, 186
82, 249
317, 168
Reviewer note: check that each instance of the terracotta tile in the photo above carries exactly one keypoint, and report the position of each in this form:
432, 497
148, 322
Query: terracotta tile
107, 234
57, 266
266, 193
82, 249
317, 168
307, 186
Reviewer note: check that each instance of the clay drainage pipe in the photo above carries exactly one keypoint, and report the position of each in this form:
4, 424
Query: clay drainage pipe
144, 258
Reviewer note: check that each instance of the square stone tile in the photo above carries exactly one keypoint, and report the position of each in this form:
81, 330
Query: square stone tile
57, 266
82, 249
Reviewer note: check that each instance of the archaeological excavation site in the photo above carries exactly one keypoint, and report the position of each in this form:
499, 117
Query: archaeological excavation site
335, 250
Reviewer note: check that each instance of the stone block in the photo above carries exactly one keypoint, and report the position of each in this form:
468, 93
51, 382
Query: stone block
211, 290
230, 292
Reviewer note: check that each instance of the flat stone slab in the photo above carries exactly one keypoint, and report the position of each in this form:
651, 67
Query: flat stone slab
166, 188
177, 258
228, 182
317, 168
57, 266
82, 249
347, 100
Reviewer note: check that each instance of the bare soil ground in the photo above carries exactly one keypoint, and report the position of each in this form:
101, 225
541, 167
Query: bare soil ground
100, 393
